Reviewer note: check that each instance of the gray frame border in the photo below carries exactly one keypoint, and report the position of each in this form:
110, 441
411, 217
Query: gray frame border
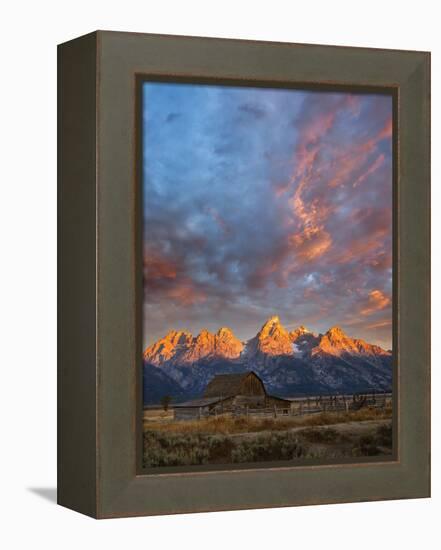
119, 491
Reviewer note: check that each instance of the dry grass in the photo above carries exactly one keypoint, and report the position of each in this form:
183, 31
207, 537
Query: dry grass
242, 424
328, 418
157, 415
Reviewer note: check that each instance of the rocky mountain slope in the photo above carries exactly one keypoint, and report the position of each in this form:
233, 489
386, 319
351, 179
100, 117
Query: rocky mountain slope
289, 363
156, 384
181, 348
273, 340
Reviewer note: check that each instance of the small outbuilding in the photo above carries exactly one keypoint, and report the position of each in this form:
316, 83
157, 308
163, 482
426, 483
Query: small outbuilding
238, 393
198, 408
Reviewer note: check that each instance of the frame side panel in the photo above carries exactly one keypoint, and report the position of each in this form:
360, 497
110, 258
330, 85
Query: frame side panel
414, 275
77, 274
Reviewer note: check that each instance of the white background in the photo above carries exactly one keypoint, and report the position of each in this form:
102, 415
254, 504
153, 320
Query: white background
29, 34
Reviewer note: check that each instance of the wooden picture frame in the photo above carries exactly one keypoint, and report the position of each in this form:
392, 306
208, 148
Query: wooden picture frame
99, 393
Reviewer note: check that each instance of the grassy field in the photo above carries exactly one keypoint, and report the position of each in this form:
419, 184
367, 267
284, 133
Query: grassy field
226, 439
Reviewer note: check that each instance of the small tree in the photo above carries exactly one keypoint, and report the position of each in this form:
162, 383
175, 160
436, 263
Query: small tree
165, 402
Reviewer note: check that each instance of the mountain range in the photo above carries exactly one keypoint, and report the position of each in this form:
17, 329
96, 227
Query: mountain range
289, 363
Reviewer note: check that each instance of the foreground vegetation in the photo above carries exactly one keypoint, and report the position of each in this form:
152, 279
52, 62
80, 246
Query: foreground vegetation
226, 440
243, 424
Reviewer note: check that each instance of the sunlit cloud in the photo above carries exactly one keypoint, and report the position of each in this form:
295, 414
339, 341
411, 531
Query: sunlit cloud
377, 300
370, 170
186, 293
156, 268
380, 324
259, 201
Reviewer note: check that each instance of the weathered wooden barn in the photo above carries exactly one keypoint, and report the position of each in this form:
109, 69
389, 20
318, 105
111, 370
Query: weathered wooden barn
241, 393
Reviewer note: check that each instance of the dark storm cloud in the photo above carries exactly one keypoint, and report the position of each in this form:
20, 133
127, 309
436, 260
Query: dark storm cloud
288, 213
172, 116
252, 110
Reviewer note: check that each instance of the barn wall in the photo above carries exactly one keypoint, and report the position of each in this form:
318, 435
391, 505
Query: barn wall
249, 400
224, 405
251, 385
278, 403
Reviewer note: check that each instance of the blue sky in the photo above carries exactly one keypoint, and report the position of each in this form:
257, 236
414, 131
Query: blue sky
265, 201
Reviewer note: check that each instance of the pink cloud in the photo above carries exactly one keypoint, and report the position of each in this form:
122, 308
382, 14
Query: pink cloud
376, 301
222, 224
186, 293
318, 167
379, 161
165, 277
156, 267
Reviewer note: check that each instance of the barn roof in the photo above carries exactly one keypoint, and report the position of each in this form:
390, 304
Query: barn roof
227, 384
277, 398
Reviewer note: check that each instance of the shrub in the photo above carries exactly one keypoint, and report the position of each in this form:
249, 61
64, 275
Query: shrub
166, 449
325, 435
384, 435
276, 446
369, 445
366, 447
173, 450
219, 448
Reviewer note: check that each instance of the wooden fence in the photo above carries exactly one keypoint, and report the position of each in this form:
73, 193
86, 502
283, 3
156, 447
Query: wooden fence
320, 404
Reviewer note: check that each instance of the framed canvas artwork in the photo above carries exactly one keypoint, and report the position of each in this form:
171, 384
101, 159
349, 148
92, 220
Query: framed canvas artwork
244, 274
268, 281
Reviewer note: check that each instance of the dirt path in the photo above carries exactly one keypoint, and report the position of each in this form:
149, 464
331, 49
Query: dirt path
351, 429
